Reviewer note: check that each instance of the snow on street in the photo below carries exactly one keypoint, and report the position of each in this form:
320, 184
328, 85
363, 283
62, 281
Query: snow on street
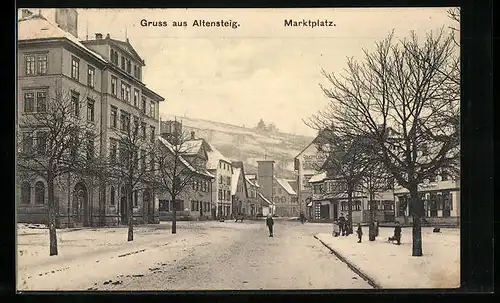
201, 256
392, 266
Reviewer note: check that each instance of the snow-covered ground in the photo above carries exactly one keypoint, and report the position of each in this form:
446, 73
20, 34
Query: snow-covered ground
85, 255
392, 266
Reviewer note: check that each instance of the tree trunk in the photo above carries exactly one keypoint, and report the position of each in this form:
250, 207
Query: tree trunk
102, 200
372, 231
416, 213
130, 234
174, 217
349, 207
52, 216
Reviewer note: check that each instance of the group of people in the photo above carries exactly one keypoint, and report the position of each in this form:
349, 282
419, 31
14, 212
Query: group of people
342, 227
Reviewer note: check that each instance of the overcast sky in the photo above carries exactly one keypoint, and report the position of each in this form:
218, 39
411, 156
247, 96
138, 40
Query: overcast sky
259, 70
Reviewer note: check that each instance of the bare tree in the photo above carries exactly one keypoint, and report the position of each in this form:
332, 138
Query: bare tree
131, 161
454, 14
64, 139
181, 164
404, 97
346, 162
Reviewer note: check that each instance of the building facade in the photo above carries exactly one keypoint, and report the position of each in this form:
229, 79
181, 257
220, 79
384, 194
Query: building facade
253, 198
52, 61
239, 190
221, 167
285, 198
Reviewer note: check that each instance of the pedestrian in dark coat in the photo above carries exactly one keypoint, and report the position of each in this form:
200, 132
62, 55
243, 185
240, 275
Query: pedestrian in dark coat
342, 225
376, 228
397, 234
270, 223
359, 232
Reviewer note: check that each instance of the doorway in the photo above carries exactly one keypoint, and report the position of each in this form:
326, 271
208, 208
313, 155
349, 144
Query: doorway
123, 209
81, 204
147, 202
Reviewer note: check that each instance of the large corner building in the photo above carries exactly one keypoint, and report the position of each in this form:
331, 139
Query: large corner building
108, 73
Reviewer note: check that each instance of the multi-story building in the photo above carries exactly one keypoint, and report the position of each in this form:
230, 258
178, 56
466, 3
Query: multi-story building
220, 166
239, 190
253, 191
106, 76
285, 198
194, 200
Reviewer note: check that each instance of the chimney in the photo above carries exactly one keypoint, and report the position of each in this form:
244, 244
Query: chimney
107, 36
98, 36
192, 135
25, 13
67, 20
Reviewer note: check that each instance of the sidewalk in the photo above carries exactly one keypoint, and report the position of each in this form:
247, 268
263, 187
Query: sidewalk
392, 266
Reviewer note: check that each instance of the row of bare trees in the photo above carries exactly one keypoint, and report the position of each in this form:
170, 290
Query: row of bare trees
58, 139
394, 117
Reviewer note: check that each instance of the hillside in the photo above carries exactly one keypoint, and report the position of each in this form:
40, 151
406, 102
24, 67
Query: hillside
249, 145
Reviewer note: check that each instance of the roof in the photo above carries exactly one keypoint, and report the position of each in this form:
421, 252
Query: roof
318, 177
36, 27
286, 186
186, 163
126, 46
192, 147
265, 199
234, 179
252, 181
214, 156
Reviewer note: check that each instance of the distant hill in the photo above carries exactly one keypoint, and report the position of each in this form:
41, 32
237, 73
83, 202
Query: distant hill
249, 145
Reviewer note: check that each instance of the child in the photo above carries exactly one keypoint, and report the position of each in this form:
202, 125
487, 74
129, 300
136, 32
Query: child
336, 229
397, 234
359, 232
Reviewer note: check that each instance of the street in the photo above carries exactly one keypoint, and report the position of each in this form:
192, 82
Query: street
210, 256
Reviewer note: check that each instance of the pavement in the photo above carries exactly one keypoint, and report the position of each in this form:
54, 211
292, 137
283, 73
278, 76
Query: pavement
386, 265
201, 256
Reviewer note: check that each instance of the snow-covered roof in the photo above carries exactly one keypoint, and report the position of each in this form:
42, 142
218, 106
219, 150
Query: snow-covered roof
265, 199
286, 186
234, 179
318, 177
252, 181
186, 163
191, 147
214, 156
37, 27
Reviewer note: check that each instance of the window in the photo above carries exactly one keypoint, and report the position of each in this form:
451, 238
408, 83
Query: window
114, 56
113, 117
91, 76
125, 121
123, 63
137, 72
129, 67
41, 102
41, 142
75, 68
112, 196
25, 193
30, 65
27, 143
42, 64
39, 193
114, 83
136, 130
357, 205
152, 109
152, 130
90, 110
220, 194
144, 105
90, 146
125, 92
192, 205
143, 160
29, 102
143, 130
76, 103
113, 146
136, 97
445, 176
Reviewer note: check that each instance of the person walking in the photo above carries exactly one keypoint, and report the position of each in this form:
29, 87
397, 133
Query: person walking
270, 223
359, 232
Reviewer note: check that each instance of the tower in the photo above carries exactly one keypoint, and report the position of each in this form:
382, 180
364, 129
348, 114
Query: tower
67, 19
265, 176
